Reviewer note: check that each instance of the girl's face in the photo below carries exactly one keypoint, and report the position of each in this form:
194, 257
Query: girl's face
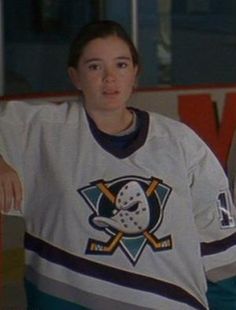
105, 74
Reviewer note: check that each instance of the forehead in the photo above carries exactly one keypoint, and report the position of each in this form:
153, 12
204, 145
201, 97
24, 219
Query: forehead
111, 46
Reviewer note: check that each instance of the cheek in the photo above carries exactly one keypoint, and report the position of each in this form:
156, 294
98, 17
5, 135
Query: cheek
89, 83
90, 89
129, 81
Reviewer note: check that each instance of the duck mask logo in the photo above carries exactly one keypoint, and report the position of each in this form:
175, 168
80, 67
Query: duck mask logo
129, 210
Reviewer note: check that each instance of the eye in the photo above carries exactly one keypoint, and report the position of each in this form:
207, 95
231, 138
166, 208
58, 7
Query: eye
122, 65
94, 67
134, 207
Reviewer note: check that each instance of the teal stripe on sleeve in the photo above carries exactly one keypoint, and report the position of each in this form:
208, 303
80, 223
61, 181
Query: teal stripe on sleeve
222, 295
37, 300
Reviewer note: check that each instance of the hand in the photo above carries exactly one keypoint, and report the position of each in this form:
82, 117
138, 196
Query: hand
10, 188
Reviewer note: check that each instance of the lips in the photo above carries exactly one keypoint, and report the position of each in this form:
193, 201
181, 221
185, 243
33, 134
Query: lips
110, 92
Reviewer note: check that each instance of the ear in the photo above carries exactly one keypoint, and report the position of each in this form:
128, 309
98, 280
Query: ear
137, 70
74, 77
136, 74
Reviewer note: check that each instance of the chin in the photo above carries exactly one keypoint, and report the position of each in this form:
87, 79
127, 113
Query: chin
114, 106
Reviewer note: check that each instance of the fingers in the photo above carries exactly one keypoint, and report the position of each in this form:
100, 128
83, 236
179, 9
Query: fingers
10, 191
2, 199
7, 196
17, 194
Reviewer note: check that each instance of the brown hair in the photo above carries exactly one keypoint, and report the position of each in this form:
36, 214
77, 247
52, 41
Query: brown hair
99, 29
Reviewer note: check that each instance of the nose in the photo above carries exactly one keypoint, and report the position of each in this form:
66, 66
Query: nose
109, 75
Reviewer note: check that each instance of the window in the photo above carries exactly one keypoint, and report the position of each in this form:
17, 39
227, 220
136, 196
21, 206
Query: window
180, 42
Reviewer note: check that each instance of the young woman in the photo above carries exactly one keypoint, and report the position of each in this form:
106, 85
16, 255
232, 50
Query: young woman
124, 209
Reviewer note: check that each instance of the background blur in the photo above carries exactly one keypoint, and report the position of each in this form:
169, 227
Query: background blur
183, 42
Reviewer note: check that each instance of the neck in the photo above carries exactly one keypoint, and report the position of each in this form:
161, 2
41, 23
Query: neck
112, 122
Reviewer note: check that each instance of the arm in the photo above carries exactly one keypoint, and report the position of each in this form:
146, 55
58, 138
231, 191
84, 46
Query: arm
13, 125
231, 167
215, 218
10, 188
18, 121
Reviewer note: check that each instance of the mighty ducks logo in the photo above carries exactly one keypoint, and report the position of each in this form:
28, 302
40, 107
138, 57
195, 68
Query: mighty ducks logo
129, 210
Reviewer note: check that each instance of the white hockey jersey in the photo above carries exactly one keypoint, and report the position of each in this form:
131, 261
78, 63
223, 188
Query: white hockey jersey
133, 229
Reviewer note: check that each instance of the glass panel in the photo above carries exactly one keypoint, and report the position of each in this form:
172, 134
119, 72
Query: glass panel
155, 41
203, 42
180, 42
37, 36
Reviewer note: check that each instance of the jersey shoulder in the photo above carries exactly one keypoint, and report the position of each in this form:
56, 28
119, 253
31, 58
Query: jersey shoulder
24, 112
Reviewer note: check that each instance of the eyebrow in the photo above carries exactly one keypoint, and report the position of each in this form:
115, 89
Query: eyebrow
99, 59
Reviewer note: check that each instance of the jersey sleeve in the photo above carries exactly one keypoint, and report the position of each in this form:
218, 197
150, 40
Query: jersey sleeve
21, 124
213, 208
231, 167
13, 132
